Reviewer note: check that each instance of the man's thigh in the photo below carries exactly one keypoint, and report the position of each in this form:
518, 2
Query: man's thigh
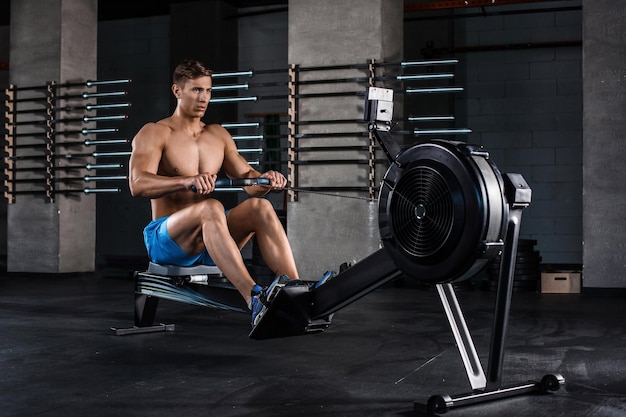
243, 221
185, 228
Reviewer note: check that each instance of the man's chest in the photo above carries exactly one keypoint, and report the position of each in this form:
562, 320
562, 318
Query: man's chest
190, 157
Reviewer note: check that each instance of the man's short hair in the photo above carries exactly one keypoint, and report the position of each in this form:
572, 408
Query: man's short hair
190, 69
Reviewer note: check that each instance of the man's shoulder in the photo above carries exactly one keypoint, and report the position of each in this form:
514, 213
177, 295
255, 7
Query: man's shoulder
160, 128
153, 134
215, 128
217, 131
166, 124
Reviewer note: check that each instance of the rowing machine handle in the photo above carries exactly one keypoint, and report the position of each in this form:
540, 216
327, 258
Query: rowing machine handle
237, 182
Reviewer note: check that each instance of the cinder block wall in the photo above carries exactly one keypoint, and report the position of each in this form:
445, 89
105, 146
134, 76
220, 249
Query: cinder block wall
263, 39
137, 49
262, 46
524, 105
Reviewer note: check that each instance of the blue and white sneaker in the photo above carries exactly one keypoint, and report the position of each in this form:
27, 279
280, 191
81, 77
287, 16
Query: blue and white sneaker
328, 275
262, 297
256, 305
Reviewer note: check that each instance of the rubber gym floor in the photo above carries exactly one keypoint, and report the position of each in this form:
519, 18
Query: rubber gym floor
382, 354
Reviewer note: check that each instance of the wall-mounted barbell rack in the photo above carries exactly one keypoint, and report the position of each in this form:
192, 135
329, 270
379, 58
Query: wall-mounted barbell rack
50, 128
53, 138
256, 133
299, 139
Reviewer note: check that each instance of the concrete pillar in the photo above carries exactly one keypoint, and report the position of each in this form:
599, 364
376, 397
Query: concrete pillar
604, 145
326, 231
52, 40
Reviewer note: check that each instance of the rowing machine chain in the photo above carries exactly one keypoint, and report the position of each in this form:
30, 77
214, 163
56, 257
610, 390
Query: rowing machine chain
301, 190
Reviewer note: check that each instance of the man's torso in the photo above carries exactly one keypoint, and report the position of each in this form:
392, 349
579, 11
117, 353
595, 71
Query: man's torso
186, 155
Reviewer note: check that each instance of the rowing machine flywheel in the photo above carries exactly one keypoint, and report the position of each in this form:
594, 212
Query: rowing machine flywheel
442, 211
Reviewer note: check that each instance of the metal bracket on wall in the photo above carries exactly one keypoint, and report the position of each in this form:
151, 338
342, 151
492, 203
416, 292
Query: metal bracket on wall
34, 165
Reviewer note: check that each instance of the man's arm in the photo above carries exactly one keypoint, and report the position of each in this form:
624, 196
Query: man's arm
236, 166
147, 149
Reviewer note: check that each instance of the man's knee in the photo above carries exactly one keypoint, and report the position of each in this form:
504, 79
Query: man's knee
262, 206
210, 210
259, 209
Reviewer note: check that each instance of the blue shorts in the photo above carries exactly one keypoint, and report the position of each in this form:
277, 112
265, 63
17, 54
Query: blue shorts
163, 250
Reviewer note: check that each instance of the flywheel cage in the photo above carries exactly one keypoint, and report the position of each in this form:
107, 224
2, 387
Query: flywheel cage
440, 204
422, 211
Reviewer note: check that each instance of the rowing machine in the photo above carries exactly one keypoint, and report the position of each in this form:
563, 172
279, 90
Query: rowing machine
444, 212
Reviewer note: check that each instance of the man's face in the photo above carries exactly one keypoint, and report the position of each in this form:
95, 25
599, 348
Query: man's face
194, 96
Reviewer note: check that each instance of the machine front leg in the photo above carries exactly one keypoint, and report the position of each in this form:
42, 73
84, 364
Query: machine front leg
518, 196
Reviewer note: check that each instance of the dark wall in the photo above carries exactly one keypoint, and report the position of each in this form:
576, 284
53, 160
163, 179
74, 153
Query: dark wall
528, 128
137, 49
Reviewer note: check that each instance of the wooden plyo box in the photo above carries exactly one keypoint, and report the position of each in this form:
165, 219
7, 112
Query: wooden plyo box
567, 282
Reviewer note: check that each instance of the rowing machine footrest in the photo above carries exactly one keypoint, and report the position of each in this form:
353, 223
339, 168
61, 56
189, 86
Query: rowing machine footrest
289, 314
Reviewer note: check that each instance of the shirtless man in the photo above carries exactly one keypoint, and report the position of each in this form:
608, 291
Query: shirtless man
180, 153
